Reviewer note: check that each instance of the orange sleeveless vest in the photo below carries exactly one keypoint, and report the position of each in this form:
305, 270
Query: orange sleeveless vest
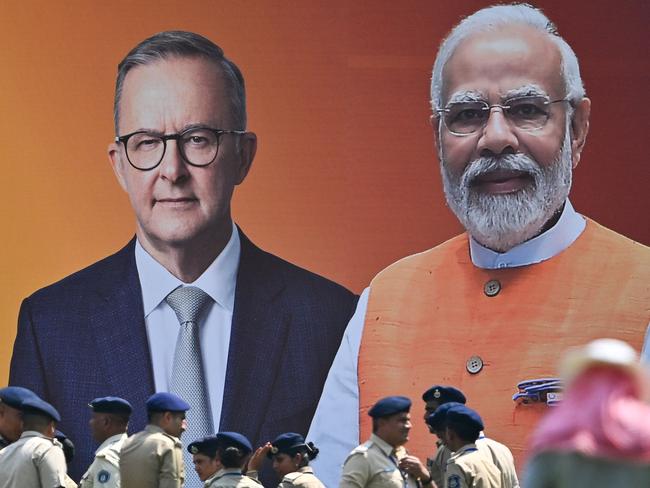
429, 313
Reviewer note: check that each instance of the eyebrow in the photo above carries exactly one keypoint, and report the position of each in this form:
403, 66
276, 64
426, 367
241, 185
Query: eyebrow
466, 96
530, 90
187, 127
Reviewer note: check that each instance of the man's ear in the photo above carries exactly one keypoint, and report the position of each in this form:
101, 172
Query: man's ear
247, 149
579, 129
117, 163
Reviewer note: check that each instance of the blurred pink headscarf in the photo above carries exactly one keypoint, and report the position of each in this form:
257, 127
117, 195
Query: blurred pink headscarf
602, 415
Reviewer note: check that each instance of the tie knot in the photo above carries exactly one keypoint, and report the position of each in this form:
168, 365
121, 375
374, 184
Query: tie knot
189, 303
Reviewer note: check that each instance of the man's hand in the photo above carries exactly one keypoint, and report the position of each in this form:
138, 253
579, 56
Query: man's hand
258, 457
414, 467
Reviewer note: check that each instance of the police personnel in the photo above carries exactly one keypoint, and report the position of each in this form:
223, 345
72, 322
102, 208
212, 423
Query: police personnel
375, 463
231, 451
35, 460
500, 455
434, 397
467, 467
109, 421
204, 457
153, 458
291, 455
11, 419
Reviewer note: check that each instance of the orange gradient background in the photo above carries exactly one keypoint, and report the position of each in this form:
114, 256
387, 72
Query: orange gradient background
345, 180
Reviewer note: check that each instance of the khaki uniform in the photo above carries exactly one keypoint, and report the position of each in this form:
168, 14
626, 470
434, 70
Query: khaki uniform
231, 478
468, 467
373, 464
502, 458
304, 478
438, 464
32, 461
152, 459
104, 471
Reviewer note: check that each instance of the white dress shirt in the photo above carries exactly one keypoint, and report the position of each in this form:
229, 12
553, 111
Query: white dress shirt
218, 281
335, 426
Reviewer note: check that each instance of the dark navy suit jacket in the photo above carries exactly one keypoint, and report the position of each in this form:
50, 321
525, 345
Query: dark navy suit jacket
84, 337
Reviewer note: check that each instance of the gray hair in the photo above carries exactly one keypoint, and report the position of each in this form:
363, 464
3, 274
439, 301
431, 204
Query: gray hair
493, 18
183, 44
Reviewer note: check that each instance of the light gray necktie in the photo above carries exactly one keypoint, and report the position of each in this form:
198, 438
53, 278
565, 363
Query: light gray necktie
188, 380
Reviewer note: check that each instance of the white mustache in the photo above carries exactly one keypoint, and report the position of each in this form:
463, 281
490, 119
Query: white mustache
512, 162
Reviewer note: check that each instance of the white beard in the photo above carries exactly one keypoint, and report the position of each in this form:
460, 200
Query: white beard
503, 221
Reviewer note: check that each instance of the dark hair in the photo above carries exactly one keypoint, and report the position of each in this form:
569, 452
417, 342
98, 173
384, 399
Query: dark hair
231, 457
183, 45
308, 450
464, 431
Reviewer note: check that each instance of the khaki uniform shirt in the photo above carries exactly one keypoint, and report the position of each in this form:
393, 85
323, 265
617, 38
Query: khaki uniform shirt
373, 464
152, 459
438, 464
231, 478
104, 471
304, 478
502, 458
468, 467
32, 461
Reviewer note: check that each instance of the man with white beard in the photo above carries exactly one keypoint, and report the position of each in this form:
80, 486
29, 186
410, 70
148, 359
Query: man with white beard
491, 310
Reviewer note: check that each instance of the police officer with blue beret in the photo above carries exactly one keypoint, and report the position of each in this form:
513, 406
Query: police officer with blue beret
467, 467
290, 455
227, 452
375, 463
36, 458
108, 424
153, 458
11, 419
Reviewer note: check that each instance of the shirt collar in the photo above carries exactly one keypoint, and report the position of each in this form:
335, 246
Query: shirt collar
382, 444
545, 246
218, 280
111, 440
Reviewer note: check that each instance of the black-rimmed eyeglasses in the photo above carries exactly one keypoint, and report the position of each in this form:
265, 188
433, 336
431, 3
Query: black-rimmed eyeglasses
198, 146
526, 113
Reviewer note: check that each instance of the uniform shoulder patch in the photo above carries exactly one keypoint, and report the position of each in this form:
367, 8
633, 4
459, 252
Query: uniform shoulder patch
103, 476
453, 481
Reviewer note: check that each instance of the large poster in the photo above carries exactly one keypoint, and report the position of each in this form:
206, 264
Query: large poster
346, 178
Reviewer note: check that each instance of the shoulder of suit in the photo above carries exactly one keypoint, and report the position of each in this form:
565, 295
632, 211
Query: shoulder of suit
422, 259
76, 284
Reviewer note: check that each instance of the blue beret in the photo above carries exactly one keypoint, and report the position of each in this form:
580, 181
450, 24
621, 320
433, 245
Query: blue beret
286, 443
110, 404
15, 395
166, 402
437, 419
390, 406
41, 407
206, 445
464, 415
443, 394
234, 439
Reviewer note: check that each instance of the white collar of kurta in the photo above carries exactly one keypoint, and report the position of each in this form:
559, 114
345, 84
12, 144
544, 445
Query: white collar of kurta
218, 280
111, 440
546, 245
33, 433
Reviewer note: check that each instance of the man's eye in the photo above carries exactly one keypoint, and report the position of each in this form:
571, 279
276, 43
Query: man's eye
526, 110
469, 114
146, 143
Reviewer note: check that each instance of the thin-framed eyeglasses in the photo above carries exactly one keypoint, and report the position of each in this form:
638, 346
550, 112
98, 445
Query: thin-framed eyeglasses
198, 146
527, 113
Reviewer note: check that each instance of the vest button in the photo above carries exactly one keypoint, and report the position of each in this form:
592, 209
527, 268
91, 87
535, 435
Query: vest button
474, 364
492, 288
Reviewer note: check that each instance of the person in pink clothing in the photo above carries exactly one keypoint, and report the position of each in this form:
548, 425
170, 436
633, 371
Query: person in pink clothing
599, 435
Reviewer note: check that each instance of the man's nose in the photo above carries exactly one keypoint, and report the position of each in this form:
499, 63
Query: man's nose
173, 167
498, 136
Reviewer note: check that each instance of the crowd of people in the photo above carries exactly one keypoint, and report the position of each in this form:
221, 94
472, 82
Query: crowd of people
608, 443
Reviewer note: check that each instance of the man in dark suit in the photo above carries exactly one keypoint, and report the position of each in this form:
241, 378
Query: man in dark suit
267, 330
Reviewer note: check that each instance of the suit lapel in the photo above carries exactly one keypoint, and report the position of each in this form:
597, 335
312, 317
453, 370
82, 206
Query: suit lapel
258, 337
117, 324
